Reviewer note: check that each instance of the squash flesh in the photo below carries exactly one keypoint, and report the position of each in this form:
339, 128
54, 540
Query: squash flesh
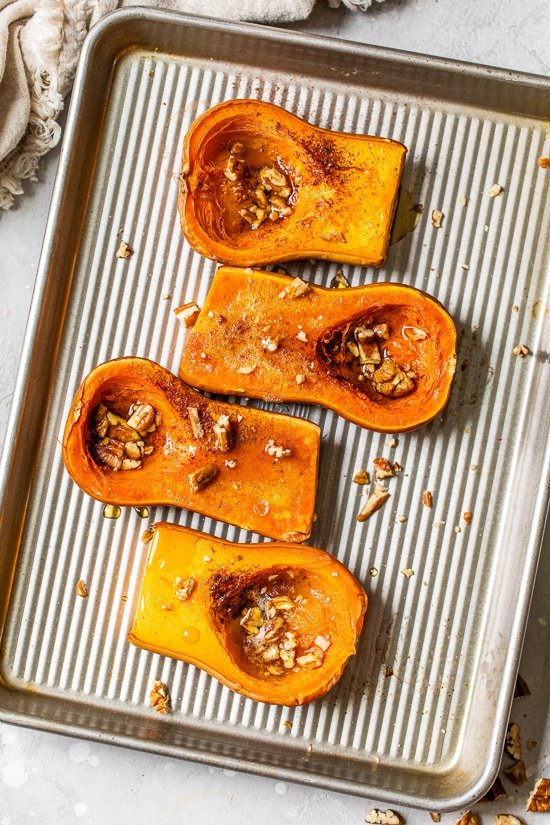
204, 629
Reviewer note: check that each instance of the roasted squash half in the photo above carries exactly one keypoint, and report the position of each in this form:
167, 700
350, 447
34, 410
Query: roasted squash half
137, 435
381, 355
260, 185
274, 622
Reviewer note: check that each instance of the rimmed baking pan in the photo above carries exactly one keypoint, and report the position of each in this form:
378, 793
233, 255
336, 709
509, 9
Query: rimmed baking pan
420, 715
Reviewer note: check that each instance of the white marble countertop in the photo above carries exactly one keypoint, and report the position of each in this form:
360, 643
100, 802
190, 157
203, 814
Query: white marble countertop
51, 779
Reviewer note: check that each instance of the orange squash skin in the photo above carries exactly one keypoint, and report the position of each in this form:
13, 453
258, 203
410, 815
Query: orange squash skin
204, 628
256, 307
344, 188
273, 497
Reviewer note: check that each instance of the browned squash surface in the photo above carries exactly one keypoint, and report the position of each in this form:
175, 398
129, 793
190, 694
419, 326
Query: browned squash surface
137, 435
275, 622
381, 355
260, 185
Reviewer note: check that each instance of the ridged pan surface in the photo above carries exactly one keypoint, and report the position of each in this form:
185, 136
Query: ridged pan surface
421, 710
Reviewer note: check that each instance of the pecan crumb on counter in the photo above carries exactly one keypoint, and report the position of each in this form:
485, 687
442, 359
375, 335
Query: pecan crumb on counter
507, 819
512, 744
387, 817
539, 798
468, 818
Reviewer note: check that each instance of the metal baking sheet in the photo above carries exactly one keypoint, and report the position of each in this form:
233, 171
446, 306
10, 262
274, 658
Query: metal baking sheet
420, 714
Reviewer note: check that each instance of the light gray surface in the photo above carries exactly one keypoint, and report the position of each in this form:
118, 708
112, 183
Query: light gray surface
59, 780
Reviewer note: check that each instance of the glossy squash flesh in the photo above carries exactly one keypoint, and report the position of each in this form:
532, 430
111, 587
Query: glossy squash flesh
274, 622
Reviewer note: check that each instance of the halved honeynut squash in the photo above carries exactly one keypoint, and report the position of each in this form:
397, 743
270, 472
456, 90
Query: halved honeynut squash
275, 622
137, 435
260, 185
381, 355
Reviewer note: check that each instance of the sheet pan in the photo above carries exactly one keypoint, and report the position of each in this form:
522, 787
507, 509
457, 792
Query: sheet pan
421, 712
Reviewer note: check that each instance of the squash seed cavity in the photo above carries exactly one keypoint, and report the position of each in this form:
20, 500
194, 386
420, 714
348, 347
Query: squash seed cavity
359, 353
269, 638
265, 193
121, 443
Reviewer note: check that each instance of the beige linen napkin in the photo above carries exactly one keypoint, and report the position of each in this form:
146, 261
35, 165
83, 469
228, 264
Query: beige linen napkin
40, 42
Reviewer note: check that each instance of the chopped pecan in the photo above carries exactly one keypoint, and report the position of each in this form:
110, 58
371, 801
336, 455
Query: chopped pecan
223, 434
437, 218
361, 477
513, 741
387, 817
382, 468
521, 350
199, 479
142, 419
110, 453
376, 499
427, 498
184, 588
539, 798
507, 819
390, 380
159, 698
276, 450
124, 250
297, 288
195, 421
81, 589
